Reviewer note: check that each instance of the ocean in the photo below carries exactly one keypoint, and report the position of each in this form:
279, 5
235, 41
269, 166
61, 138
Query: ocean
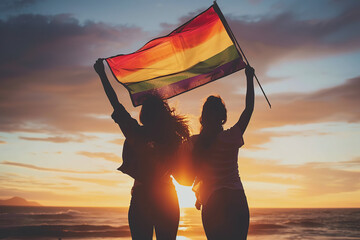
111, 223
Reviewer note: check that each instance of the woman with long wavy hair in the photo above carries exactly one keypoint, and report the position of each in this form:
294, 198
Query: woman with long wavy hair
149, 157
225, 212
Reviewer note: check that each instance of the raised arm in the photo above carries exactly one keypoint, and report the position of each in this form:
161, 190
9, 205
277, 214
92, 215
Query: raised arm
127, 124
110, 93
250, 99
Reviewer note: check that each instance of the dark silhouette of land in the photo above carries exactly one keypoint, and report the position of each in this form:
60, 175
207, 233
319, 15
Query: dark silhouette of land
18, 201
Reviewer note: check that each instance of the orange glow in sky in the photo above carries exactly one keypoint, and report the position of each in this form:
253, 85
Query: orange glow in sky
60, 147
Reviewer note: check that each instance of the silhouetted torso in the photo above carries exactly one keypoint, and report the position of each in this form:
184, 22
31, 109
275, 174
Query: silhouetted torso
148, 159
218, 166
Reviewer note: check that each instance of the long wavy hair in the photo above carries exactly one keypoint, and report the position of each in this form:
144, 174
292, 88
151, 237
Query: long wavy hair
213, 116
168, 128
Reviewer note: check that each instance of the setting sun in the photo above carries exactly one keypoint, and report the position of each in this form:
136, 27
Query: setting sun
185, 194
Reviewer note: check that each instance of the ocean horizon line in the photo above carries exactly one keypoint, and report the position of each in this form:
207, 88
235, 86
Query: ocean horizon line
78, 206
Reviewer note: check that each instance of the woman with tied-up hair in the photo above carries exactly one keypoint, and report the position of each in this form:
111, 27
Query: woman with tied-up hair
225, 212
149, 156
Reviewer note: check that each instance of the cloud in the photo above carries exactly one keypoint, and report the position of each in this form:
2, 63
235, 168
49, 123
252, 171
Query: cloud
309, 179
103, 182
7, 5
337, 103
283, 37
355, 161
58, 106
47, 82
30, 166
57, 139
107, 156
49, 139
38, 42
11, 180
118, 141
58, 152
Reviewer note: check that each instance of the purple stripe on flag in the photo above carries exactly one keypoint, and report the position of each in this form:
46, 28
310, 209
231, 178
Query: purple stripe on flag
174, 89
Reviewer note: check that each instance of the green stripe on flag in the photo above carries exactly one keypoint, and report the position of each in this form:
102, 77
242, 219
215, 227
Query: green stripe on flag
229, 54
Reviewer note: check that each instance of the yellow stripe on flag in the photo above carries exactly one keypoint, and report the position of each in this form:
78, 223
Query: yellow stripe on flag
182, 60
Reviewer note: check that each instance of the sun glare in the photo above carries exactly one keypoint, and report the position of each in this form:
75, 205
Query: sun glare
185, 194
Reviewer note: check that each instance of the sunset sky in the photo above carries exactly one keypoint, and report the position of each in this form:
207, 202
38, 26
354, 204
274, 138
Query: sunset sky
59, 145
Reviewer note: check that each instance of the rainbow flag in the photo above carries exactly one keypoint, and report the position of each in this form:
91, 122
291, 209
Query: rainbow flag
198, 52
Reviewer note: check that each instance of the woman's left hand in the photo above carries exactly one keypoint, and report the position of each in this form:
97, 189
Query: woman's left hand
249, 71
198, 205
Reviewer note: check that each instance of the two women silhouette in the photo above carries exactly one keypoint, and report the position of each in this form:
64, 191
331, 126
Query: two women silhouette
150, 156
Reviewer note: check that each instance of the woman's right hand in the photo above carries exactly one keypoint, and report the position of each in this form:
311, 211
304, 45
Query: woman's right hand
99, 66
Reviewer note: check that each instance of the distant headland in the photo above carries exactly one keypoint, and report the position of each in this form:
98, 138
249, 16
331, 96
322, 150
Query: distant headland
18, 201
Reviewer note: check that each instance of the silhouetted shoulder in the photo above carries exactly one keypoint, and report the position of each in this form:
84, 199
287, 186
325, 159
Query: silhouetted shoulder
128, 125
232, 136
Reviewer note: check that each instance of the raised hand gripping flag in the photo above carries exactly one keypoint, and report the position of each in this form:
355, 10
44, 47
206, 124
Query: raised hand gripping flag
198, 52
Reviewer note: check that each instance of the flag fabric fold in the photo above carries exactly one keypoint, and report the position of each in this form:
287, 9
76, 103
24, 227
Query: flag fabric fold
196, 53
